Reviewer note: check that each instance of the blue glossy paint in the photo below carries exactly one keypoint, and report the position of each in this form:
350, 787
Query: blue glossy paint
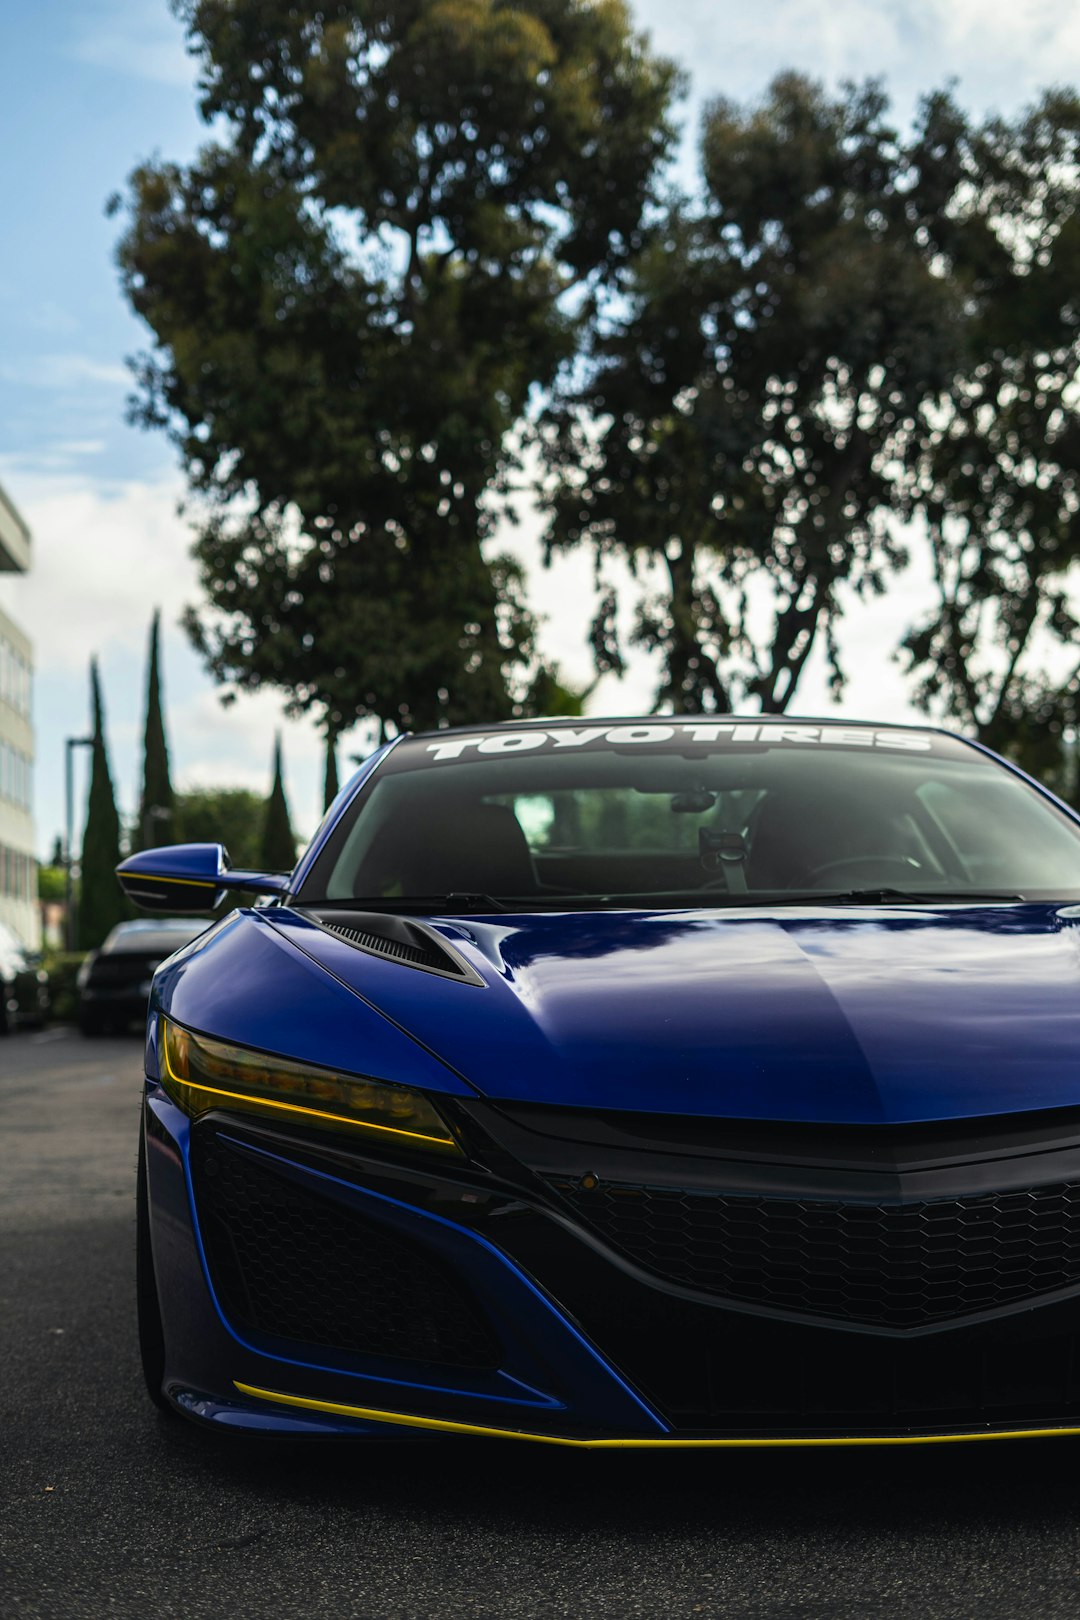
244, 982
850, 1015
199, 864
236, 1414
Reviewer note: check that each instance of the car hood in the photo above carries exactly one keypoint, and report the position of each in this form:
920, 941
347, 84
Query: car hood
831, 1014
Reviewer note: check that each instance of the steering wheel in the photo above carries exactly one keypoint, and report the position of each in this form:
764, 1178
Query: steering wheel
856, 865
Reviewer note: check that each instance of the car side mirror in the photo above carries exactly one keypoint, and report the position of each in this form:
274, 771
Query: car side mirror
189, 878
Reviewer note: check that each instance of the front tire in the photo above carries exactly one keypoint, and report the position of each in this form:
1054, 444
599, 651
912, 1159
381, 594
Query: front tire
151, 1334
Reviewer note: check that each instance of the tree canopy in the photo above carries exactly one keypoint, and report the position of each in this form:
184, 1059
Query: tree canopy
353, 291
994, 469
845, 331
740, 420
230, 816
419, 226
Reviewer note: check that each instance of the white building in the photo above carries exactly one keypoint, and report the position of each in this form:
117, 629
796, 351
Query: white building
18, 868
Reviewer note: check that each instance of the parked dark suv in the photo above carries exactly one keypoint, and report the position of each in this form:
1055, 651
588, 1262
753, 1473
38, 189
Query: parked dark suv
114, 981
24, 986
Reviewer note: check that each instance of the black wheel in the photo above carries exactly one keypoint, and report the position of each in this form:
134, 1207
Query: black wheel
151, 1337
90, 1022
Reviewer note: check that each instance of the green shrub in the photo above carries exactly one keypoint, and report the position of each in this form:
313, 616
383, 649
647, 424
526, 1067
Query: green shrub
62, 966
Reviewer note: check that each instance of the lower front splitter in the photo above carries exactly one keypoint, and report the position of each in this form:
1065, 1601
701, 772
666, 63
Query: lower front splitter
407, 1420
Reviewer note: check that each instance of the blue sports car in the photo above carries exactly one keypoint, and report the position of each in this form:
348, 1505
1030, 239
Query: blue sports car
660, 1082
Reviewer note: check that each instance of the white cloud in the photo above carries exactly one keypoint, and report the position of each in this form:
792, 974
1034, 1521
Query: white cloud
75, 448
58, 456
217, 747
46, 315
134, 38
57, 459
1001, 51
65, 372
103, 554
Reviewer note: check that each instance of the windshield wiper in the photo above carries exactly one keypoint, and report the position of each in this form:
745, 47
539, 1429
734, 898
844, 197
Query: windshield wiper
458, 901
461, 902
887, 895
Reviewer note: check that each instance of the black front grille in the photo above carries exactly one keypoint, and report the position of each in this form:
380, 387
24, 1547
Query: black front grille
294, 1265
882, 1264
709, 1367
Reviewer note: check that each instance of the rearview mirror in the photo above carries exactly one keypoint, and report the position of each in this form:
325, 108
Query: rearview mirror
189, 878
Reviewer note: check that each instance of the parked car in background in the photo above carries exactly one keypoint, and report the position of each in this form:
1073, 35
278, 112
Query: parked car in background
114, 981
24, 985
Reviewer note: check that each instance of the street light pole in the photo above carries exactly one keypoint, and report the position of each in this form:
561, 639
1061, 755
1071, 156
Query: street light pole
69, 807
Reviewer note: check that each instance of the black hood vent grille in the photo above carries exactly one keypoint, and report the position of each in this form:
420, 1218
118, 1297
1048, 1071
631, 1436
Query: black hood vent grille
396, 949
398, 939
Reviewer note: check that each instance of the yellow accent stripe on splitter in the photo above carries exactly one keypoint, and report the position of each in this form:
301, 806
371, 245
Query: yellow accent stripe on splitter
407, 1420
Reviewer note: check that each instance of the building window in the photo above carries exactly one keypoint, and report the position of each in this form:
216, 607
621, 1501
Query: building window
16, 679
18, 874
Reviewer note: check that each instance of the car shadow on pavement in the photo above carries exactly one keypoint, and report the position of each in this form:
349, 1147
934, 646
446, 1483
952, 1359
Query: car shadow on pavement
476, 1480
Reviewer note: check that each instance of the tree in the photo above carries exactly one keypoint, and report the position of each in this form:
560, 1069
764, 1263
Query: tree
994, 469
277, 847
550, 696
353, 293
737, 429
230, 816
156, 801
101, 899
52, 883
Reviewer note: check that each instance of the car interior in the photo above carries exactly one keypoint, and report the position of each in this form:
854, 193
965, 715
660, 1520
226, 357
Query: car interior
645, 832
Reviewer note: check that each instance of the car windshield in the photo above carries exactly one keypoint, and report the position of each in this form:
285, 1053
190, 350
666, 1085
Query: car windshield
695, 814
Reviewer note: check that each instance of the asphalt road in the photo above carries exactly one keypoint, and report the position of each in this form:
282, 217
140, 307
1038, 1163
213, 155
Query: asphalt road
109, 1510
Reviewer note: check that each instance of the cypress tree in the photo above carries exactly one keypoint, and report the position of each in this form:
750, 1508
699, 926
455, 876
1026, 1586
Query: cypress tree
330, 779
278, 849
157, 801
101, 900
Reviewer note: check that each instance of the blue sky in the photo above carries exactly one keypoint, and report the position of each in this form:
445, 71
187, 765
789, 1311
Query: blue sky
89, 90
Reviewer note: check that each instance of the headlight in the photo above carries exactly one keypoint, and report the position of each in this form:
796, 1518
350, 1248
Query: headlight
200, 1074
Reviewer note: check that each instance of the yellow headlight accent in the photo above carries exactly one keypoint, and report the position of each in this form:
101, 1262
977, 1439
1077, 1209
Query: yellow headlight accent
200, 1074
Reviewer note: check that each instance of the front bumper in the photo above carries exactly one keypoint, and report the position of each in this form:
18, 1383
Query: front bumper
329, 1292
224, 1341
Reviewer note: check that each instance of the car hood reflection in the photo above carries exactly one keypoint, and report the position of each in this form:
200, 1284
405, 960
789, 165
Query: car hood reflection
868, 1016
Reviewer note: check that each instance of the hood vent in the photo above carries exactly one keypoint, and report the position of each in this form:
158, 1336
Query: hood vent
398, 939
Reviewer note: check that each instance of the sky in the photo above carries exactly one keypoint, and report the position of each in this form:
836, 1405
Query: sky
90, 89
